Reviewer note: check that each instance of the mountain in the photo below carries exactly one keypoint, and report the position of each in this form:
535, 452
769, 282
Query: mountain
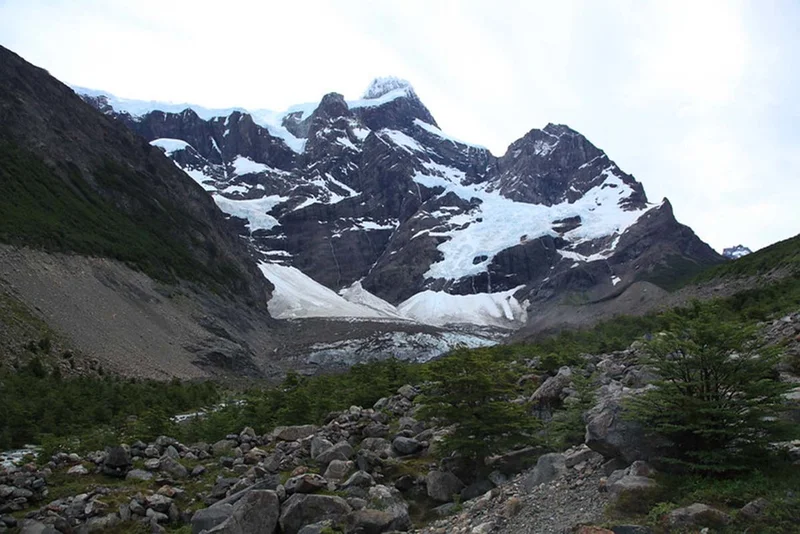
113, 248
74, 180
370, 196
734, 253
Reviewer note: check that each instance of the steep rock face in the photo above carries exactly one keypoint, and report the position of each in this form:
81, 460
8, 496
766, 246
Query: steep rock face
111, 178
374, 192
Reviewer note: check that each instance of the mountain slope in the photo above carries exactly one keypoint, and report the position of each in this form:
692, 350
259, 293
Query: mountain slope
371, 191
75, 180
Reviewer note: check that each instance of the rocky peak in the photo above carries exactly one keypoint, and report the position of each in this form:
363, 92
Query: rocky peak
734, 253
331, 106
384, 85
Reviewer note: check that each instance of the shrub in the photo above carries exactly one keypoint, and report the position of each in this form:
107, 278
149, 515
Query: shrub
717, 400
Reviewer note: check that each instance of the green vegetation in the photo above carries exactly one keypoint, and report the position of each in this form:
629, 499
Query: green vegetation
776, 481
473, 391
717, 401
89, 413
303, 400
40, 208
782, 255
38, 405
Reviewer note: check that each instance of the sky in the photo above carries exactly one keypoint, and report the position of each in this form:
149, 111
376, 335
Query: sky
699, 100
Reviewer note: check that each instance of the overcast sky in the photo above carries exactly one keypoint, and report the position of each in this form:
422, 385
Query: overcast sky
699, 100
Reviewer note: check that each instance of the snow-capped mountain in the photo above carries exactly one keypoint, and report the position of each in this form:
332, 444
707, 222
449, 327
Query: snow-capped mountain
734, 253
366, 208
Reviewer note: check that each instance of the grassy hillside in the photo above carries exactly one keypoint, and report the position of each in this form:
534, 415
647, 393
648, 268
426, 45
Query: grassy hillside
782, 255
38, 208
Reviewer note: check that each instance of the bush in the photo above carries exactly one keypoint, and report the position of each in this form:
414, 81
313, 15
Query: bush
717, 400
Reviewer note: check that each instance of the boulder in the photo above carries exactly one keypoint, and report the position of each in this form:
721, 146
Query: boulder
551, 389
159, 503
443, 486
390, 502
117, 462
306, 483
579, 455
223, 446
300, 510
208, 518
172, 467
549, 467
338, 469
405, 446
293, 433
29, 526
754, 509
376, 430
379, 446
632, 485
697, 515
139, 474
317, 528
614, 436
475, 490
102, 523
319, 445
515, 462
77, 470
255, 513
359, 480
409, 392
340, 451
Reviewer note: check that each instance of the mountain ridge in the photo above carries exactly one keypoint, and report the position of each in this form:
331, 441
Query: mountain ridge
379, 195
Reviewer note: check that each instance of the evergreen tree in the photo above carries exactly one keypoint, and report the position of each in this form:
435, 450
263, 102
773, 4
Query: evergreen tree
717, 400
472, 391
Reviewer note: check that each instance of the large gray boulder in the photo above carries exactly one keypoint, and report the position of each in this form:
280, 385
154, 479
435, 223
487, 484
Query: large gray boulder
633, 486
394, 510
341, 451
405, 446
117, 462
29, 526
300, 510
613, 435
318, 445
516, 461
442, 485
338, 470
305, 483
208, 518
698, 515
551, 389
172, 467
549, 467
255, 513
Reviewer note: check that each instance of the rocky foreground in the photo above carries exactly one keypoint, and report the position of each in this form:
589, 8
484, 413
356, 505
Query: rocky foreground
370, 470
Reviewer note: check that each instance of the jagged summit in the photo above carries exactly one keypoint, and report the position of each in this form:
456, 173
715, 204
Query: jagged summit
373, 191
381, 86
734, 253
